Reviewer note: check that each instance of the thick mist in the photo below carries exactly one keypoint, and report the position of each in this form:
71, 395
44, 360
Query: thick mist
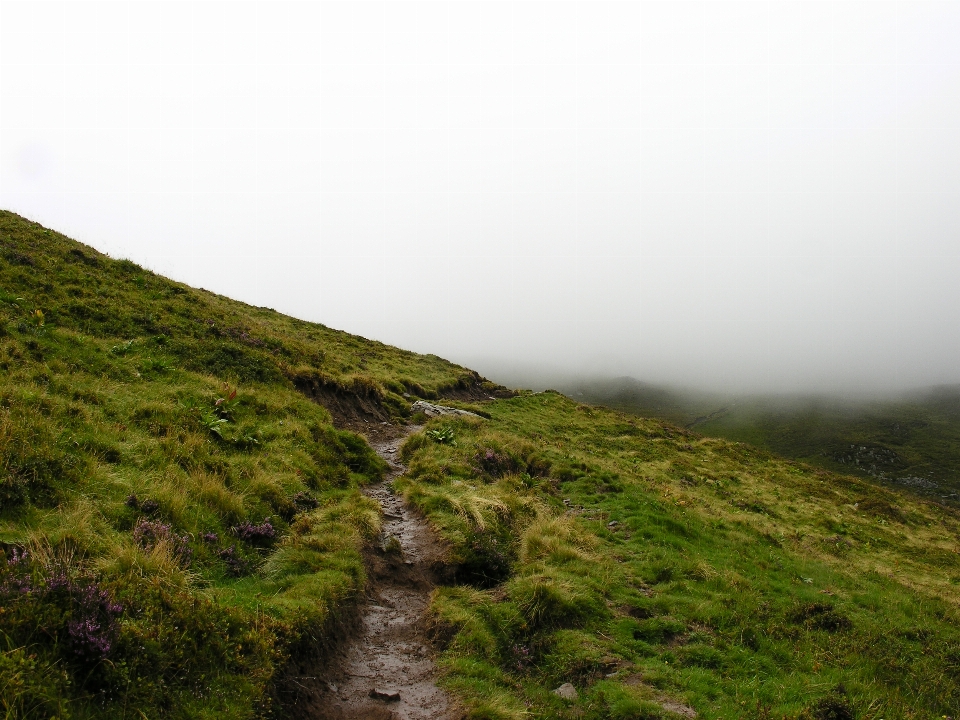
749, 196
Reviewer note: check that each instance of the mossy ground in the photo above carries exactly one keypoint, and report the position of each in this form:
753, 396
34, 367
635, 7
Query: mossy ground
649, 566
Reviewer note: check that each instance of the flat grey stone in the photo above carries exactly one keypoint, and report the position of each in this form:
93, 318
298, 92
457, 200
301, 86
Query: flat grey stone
431, 410
566, 691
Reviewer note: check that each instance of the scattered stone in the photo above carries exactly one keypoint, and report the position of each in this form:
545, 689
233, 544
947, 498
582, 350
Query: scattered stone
382, 694
612, 523
431, 410
566, 691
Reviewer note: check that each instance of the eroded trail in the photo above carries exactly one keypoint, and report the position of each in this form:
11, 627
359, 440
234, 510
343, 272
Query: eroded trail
387, 670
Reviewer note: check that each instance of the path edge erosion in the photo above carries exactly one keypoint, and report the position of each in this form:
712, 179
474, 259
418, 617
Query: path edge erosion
340, 679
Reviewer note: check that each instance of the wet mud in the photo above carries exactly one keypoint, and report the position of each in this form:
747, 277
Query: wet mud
386, 670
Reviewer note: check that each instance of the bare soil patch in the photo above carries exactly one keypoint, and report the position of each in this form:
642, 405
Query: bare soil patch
361, 410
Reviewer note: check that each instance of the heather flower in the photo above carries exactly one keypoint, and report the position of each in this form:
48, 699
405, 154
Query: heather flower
150, 533
149, 506
494, 463
91, 614
60, 581
305, 501
16, 586
93, 629
17, 579
88, 638
236, 565
17, 556
522, 657
264, 533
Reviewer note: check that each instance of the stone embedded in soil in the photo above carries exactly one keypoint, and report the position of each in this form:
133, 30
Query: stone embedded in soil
382, 694
566, 691
431, 410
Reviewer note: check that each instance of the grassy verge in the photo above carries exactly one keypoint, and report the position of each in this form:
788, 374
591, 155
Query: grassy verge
659, 571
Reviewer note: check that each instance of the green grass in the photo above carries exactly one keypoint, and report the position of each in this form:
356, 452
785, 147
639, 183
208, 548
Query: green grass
179, 517
156, 455
909, 440
649, 565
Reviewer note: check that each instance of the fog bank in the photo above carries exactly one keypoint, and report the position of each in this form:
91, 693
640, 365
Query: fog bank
750, 195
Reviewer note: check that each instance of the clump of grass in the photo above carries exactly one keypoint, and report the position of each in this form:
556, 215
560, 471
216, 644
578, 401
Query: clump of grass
834, 706
551, 600
32, 687
820, 616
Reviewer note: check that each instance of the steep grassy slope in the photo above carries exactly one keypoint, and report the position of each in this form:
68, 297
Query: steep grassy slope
177, 516
659, 571
912, 440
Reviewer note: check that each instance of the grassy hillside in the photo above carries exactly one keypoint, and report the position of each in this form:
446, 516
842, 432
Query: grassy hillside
911, 441
659, 571
180, 514
177, 514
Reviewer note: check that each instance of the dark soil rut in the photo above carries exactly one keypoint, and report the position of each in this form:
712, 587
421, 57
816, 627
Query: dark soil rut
386, 670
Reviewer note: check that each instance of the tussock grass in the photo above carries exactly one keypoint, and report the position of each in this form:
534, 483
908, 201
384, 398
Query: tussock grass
656, 569
557, 541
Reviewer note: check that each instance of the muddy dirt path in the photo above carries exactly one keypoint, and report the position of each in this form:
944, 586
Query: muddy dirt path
386, 671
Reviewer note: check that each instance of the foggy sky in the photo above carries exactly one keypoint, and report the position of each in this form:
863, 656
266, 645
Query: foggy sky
750, 195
